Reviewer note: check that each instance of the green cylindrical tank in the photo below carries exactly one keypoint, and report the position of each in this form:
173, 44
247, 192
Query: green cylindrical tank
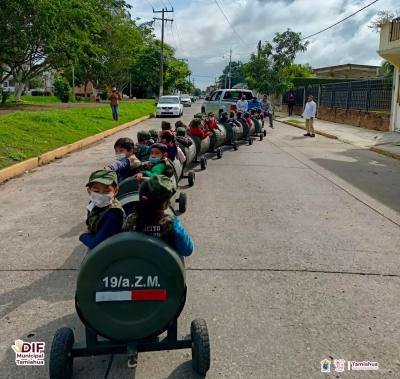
233, 133
190, 152
247, 130
202, 146
218, 138
130, 287
257, 125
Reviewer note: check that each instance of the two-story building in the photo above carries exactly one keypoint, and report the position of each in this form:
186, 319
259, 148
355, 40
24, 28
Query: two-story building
389, 49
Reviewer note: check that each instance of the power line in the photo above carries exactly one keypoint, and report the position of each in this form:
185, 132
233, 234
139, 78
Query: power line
341, 20
150, 4
231, 24
163, 4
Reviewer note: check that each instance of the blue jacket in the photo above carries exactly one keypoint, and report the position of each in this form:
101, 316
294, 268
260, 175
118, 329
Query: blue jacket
183, 243
253, 104
122, 168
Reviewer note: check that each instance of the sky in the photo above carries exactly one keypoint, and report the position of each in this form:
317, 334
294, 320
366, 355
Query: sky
205, 37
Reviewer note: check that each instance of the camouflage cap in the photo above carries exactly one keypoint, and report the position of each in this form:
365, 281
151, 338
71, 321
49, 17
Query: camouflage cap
180, 131
196, 122
224, 114
210, 114
104, 177
254, 109
165, 125
178, 124
231, 113
153, 133
199, 116
161, 187
143, 135
246, 114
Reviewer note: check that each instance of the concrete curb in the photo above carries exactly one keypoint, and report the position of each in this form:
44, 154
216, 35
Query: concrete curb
19, 168
388, 153
327, 135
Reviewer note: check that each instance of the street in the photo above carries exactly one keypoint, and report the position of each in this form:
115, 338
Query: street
295, 261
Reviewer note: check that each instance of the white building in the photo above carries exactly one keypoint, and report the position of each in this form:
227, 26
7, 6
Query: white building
389, 49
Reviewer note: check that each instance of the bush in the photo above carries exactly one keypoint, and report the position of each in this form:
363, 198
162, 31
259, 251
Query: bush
4, 96
62, 89
47, 93
105, 93
37, 93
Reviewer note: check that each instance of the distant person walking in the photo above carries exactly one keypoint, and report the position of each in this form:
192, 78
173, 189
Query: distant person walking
115, 97
242, 105
291, 104
266, 108
309, 113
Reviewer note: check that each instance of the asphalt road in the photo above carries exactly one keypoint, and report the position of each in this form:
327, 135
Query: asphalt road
296, 260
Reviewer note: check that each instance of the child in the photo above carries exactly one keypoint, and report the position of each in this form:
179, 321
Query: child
149, 215
224, 117
158, 164
105, 214
142, 148
126, 160
168, 139
211, 123
154, 135
197, 131
182, 138
165, 125
247, 118
180, 124
232, 120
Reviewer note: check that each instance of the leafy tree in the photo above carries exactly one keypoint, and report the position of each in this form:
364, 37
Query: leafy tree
237, 74
36, 83
197, 92
387, 69
62, 88
381, 18
298, 71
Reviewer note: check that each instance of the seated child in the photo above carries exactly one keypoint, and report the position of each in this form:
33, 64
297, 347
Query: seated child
232, 120
180, 124
105, 214
224, 117
168, 139
247, 118
181, 137
211, 122
154, 136
158, 164
196, 130
126, 160
165, 125
142, 148
149, 215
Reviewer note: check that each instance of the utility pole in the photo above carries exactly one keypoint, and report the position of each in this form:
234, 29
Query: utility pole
230, 61
163, 19
73, 83
259, 48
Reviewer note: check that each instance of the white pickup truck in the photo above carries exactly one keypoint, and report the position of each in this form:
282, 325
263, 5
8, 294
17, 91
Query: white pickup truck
224, 100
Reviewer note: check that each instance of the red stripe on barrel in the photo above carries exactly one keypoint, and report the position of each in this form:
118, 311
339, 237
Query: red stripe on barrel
149, 295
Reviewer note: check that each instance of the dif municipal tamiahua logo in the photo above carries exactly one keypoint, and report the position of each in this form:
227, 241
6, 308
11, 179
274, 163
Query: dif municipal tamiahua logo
28, 353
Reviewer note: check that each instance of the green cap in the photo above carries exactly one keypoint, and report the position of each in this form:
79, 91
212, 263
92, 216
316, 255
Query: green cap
104, 177
180, 131
143, 135
199, 116
254, 109
231, 113
178, 124
162, 187
196, 122
165, 125
153, 133
246, 114
210, 113
224, 114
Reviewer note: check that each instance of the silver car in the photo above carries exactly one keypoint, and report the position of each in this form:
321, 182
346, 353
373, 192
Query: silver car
185, 100
169, 106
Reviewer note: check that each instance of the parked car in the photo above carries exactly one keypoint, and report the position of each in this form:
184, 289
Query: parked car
169, 106
224, 100
201, 97
185, 100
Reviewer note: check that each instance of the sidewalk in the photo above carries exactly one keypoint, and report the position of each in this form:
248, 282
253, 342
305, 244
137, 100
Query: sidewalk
387, 143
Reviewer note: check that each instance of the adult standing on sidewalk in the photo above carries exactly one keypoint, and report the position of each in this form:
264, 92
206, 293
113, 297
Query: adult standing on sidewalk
291, 102
115, 97
242, 105
309, 113
266, 108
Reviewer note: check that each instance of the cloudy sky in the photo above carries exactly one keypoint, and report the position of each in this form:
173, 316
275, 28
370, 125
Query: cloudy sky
206, 37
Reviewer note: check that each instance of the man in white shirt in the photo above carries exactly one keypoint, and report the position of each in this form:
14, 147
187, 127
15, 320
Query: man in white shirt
242, 105
309, 114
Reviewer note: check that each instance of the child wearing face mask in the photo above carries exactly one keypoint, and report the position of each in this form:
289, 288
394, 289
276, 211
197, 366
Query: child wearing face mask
142, 148
158, 163
126, 160
168, 139
105, 214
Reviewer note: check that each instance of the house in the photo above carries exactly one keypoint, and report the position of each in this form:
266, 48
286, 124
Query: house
9, 86
240, 86
389, 49
348, 71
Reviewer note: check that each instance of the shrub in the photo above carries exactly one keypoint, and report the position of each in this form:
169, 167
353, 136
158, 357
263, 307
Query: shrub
105, 93
47, 93
62, 89
16, 155
37, 93
4, 96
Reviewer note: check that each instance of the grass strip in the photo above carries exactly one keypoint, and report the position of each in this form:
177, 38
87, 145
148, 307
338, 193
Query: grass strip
296, 122
25, 135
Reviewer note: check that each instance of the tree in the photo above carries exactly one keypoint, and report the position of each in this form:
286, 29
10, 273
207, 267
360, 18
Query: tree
381, 18
298, 71
237, 74
269, 71
387, 69
36, 83
197, 92
62, 88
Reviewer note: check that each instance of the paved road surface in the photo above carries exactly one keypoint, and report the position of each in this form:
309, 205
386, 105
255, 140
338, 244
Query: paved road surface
296, 260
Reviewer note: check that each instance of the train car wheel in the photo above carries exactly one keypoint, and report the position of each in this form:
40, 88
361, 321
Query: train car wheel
61, 359
182, 202
265, 133
203, 163
200, 346
219, 153
191, 178
261, 137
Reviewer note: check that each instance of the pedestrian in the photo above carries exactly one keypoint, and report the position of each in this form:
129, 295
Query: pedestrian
115, 97
265, 106
291, 104
242, 105
309, 113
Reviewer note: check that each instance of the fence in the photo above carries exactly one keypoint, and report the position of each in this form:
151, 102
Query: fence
369, 95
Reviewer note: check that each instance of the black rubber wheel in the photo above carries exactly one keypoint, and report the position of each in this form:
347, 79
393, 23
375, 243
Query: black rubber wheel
219, 153
61, 359
203, 110
261, 137
157, 116
191, 178
250, 141
200, 346
265, 133
235, 145
203, 163
182, 202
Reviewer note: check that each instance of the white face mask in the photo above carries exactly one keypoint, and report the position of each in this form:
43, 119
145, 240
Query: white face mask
99, 200
120, 157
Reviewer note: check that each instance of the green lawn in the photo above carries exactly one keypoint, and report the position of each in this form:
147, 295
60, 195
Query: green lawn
296, 122
35, 99
25, 135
